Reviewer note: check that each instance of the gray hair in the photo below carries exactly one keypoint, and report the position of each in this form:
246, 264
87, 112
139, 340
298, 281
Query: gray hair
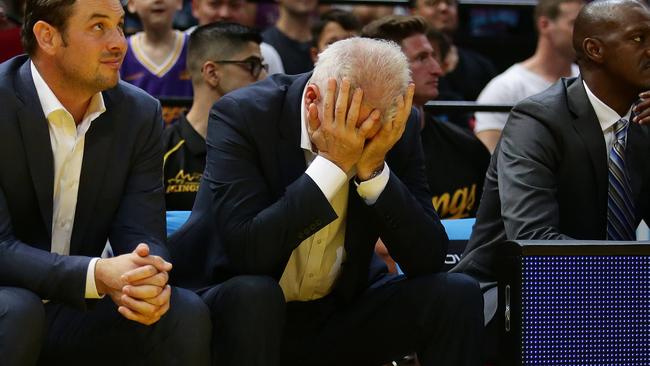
376, 66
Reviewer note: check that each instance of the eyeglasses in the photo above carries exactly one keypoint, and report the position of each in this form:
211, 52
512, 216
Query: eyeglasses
253, 64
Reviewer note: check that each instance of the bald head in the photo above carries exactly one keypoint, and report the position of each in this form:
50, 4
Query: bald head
612, 42
598, 19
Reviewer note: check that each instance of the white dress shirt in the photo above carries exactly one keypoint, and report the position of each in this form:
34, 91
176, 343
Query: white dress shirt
67, 140
316, 263
607, 117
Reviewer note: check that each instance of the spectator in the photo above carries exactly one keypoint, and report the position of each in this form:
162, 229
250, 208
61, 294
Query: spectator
291, 35
156, 57
447, 148
9, 35
221, 58
294, 196
209, 11
570, 165
552, 60
333, 25
467, 71
80, 162
441, 44
367, 13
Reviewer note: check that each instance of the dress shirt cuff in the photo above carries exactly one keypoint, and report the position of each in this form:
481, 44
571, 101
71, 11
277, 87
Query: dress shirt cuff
91, 287
327, 176
371, 189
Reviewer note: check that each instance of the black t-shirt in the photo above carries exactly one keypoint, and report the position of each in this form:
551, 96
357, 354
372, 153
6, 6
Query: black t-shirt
456, 162
469, 77
184, 162
295, 55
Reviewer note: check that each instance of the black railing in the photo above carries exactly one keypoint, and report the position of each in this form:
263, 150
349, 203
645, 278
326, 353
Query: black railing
447, 106
442, 106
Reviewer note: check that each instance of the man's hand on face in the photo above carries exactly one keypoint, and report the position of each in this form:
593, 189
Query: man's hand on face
137, 283
337, 137
642, 110
375, 150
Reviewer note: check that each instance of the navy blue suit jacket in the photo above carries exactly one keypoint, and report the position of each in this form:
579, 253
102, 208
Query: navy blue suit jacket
120, 189
255, 204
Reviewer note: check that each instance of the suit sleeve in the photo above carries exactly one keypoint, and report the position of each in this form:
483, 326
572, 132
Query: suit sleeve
526, 165
140, 217
49, 275
259, 229
409, 225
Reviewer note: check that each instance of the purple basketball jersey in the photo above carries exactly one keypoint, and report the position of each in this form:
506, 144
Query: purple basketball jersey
169, 79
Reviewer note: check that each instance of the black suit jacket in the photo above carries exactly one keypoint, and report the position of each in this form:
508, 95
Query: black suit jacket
255, 204
548, 178
120, 193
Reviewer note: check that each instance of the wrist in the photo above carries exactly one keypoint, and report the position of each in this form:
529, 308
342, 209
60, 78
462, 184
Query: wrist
102, 289
364, 174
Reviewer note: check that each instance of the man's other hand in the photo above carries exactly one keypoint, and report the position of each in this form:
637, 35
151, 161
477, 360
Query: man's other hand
374, 152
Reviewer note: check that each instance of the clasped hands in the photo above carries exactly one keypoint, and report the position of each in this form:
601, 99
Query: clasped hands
350, 134
137, 284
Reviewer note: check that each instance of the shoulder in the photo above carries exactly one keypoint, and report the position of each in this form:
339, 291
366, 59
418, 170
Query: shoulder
263, 97
540, 117
130, 107
132, 96
9, 71
554, 99
171, 135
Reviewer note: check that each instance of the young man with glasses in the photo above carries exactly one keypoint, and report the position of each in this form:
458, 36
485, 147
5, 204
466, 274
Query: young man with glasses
222, 57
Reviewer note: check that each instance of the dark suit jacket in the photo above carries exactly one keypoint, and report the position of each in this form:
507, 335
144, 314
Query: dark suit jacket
120, 189
255, 204
548, 178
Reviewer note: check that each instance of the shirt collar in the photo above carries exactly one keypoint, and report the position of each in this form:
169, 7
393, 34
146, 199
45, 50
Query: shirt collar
50, 103
607, 117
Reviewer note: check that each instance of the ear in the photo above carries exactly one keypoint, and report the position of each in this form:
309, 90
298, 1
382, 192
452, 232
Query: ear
211, 73
312, 95
131, 6
48, 37
542, 24
313, 52
594, 49
195, 8
179, 5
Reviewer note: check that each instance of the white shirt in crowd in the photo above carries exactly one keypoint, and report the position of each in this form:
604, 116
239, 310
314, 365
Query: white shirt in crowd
511, 86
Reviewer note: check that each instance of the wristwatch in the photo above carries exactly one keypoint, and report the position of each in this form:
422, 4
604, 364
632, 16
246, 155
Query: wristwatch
374, 174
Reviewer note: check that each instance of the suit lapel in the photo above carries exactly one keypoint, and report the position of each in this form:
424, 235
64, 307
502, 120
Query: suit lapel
97, 145
291, 157
38, 148
588, 129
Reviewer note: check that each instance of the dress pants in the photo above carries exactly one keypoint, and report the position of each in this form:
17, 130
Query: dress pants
54, 334
439, 316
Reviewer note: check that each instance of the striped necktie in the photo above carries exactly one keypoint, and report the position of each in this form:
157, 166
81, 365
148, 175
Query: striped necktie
620, 207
